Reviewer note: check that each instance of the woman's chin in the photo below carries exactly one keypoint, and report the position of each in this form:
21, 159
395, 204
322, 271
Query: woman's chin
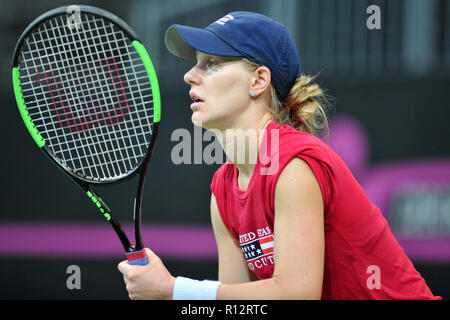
199, 119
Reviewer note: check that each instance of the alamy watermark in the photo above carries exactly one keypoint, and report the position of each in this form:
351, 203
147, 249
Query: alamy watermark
73, 17
374, 20
74, 279
241, 147
374, 281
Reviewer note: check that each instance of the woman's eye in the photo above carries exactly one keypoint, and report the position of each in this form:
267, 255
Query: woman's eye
211, 64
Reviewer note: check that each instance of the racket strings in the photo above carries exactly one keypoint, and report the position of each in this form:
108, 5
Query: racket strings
109, 114
99, 119
55, 79
88, 96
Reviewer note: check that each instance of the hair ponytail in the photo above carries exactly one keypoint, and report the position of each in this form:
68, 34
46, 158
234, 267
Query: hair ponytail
304, 108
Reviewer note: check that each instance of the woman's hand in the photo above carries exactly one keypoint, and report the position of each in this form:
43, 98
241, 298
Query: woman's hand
150, 282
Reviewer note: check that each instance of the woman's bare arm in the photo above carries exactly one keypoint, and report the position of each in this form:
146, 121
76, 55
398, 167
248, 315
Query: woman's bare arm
298, 243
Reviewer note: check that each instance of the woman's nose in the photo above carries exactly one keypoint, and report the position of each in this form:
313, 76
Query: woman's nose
191, 77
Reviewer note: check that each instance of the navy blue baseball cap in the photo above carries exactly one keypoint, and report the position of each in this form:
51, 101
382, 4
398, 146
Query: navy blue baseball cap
254, 36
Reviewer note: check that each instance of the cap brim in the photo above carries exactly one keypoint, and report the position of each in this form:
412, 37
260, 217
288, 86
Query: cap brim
183, 41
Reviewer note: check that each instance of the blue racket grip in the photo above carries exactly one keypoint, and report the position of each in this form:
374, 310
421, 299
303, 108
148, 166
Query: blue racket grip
137, 258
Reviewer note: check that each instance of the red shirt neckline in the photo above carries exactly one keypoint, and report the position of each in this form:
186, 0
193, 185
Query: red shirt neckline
243, 194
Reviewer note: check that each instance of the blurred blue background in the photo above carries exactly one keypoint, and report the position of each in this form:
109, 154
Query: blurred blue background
390, 93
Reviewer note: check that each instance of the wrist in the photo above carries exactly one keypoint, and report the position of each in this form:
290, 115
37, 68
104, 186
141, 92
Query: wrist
171, 288
190, 289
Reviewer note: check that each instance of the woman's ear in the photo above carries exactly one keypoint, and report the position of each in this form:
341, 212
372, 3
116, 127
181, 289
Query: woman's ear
260, 81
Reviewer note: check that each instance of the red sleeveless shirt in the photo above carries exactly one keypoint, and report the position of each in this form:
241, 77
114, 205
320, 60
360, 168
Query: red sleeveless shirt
363, 260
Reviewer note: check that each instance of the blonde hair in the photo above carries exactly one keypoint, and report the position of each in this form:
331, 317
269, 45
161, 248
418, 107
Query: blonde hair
304, 108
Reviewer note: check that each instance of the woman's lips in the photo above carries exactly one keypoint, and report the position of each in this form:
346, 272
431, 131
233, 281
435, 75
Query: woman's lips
197, 100
196, 105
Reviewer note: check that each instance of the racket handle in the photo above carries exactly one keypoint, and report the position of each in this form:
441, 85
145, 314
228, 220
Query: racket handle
137, 258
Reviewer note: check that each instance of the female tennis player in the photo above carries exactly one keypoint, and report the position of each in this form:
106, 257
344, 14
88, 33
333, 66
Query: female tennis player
294, 224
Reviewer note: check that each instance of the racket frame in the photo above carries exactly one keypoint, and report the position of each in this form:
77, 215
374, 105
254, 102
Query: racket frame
134, 252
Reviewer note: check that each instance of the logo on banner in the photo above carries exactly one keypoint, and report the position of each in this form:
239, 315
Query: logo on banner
258, 248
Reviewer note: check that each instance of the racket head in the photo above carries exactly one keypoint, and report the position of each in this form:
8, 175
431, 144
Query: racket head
88, 93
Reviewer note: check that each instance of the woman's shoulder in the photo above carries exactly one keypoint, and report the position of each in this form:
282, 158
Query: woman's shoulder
289, 141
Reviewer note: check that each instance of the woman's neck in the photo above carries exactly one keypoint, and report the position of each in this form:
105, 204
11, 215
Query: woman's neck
241, 144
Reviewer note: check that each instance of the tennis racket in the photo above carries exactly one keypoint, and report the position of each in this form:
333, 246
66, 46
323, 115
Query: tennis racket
89, 96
